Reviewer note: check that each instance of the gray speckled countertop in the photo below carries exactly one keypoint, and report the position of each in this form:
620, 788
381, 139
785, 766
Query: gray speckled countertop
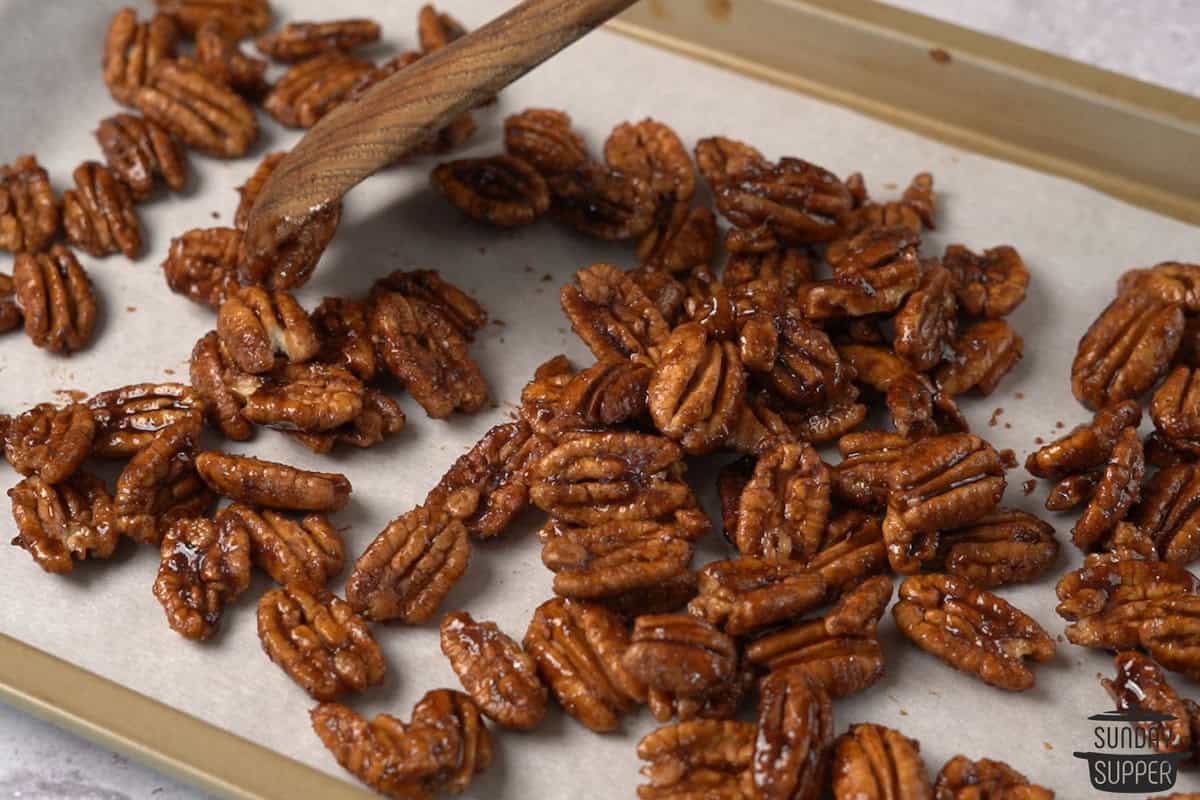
1146, 40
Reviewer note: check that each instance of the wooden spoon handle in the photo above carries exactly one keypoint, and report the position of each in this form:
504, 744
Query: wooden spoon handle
357, 139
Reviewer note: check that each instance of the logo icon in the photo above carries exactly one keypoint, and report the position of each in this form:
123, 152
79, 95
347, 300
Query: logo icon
1113, 768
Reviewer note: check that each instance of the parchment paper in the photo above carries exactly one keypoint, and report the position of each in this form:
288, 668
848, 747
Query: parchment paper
104, 617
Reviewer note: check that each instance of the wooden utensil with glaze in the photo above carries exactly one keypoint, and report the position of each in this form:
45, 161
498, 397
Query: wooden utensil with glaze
357, 139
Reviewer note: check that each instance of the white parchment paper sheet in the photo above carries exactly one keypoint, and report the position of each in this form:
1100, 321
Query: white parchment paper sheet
104, 617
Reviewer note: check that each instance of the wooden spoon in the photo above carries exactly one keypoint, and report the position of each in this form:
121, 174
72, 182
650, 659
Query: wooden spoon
398, 114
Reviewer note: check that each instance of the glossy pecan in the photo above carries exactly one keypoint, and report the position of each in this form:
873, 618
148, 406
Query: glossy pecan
721, 159
1140, 685
875, 761
604, 395
1175, 405
1168, 514
56, 297
695, 392
779, 269
1007, 546
1082, 453
664, 597
919, 409
963, 779
256, 325
872, 248
436, 29
459, 308
744, 595
795, 736
59, 524
941, 482
381, 417
139, 151
48, 441
132, 49
699, 758
679, 653
160, 485
311, 89
1126, 350
203, 568
410, 567
544, 138
223, 387
219, 56
298, 41
499, 190
666, 293
927, 322
311, 398
302, 553
29, 214
10, 313
318, 640
851, 550
784, 507
498, 675
202, 265
971, 630
807, 370
981, 355
879, 290
98, 214
203, 113
1118, 488
653, 152
237, 18
341, 327
1170, 281
914, 210
602, 202
266, 483
611, 313
991, 284
862, 478
797, 200
127, 419
1172, 635
684, 237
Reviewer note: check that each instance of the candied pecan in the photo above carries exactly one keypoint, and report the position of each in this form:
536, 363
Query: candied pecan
679, 653
381, 416
138, 151
662, 598
459, 308
127, 419
723, 702
10, 312
928, 320
543, 138
783, 269
990, 285
840, 415
255, 325
603, 395
301, 554
249, 191
50, 442
666, 293
493, 477
1140, 685
1118, 488
858, 294
1126, 350
721, 160
593, 478
457, 736
914, 210
1170, 281
28, 211
311, 89
410, 567
98, 214
1171, 635
1169, 513
421, 346
699, 758
1086, 447
293, 260
941, 482
266, 483
159, 484
877, 762
982, 355
852, 549
963, 779
910, 401
203, 113
784, 507
219, 56
746, 594
495, 671
238, 18
541, 396
318, 640
611, 558
1006, 546
653, 152
1175, 406
436, 29
202, 265
795, 737
132, 49
223, 387
695, 392
873, 248
807, 371
306, 397
56, 297
70, 520
602, 202
709, 303
203, 567
971, 630
341, 327
298, 41
611, 313
798, 201
499, 190
578, 648
683, 238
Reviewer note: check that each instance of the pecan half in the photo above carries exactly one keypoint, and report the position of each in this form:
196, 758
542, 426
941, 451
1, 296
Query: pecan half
664, 597
695, 392
500, 190
203, 113
249, 191
873, 248
202, 265
98, 214
410, 567
963, 779
1140, 685
679, 653
498, 675
237, 18
223, 387
914, 210
319, 641
721, 160
795, 736
138, 151
862, 478
982, 355
927, 322
875, 761
381, 417
1126, 350
341, 327
798, 201
807, 370
57, 299
298, 41
67, 522
971, 630
132, 49
50, 442
29, 213
612, 558
312, 88
203, 568
603, 202
991, 284
543, 137
159, 484
313, 398
1118, 488
127, 419
653, 152
1007, 546
255, 325
1168, 513
942, 482
604, 395
1082, 453
851, 550
611, 313
10, 312
296, 554
699, 758
879, 290
266, 483
784, 507
782, 269
1175, 406
747, 594
683, 238
460, 309
219, 56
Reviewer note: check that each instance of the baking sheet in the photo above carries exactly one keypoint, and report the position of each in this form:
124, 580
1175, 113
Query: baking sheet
104, 617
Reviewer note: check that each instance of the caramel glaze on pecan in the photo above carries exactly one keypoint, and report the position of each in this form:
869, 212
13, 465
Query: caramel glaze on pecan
602, 202
963, 779
1006, 546
784, 507
297, 41
128, 418
1083, 451
852, 549
159, 484
679, 653
982, 355
875, 761
341, 327
695, 393
255, 326
312, 88
311, 398
219, 56
10, 312
1168, 513
266, 483
29, 214
57, 299
223, 387
237, 18
611, 313
132, 49
744, 595
202, 113
1118, 488
59, 524
684, 237
204, 566
50, 442
498, 675
862, 478
989, 285
1175, 406
202, 265
795, 736
98, 214
297, 554
501, 190
1140, 685
139, 151
699, 758
544, 138
381, 417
